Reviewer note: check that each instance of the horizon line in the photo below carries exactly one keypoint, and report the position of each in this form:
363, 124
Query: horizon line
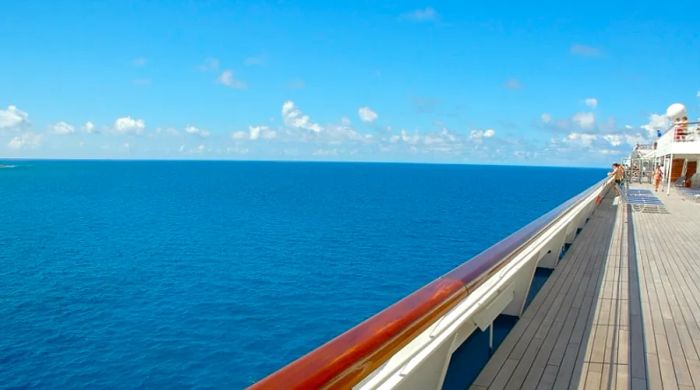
295, 161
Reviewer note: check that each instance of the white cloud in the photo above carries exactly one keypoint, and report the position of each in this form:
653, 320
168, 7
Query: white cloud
89, 127
129, 125
427, 14
656, 122
239, 135
439, 142
62, 128
524, 154
227, 79
293, 117
261, 131
591, 102
584, 50
698, 94
326, 152
338, 133
478, 135
634, 139
189, 129
546, 118
12, 117
585, 120
584, 139
367, 115
614, 139
628, 127
609, 152
410, 139
25, 141
255, 133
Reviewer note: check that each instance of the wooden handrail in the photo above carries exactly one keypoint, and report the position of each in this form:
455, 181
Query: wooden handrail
350, 357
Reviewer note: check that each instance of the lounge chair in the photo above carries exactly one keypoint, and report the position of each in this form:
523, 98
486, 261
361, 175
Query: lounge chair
643, 200
691, 193
680, 182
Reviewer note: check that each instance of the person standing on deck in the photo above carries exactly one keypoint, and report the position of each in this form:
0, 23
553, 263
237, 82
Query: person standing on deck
658, 176
618, 174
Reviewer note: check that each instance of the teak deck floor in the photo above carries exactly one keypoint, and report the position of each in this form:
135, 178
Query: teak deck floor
621, 310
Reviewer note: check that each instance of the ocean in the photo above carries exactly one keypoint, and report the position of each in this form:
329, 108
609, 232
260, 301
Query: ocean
173, 274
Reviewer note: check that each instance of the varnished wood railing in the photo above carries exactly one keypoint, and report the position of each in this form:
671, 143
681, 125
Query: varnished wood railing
350, 357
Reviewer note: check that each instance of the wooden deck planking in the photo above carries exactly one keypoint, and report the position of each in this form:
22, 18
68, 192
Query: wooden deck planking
550, 335
548, 292
606, 362
621, 311
669, 277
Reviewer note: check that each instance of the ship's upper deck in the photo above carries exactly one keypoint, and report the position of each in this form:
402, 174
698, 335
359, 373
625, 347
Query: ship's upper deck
622, 310
685, 142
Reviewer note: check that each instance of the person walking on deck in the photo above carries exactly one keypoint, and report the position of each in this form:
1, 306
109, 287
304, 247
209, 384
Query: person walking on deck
658, 176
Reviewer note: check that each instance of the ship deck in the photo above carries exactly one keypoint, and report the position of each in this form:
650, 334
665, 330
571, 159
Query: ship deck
621, 310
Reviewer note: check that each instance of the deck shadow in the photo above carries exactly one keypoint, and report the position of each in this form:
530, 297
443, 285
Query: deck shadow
637, 350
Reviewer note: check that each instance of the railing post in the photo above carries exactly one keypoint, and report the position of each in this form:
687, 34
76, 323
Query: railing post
521, 287
549, 256
571, 232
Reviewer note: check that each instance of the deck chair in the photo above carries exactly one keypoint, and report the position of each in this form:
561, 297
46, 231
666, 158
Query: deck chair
679, 183
690, 193
643, 200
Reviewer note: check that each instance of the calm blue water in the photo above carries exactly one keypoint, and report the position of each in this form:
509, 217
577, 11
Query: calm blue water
214, 274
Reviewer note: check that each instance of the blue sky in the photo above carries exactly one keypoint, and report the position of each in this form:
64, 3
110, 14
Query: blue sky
489, 82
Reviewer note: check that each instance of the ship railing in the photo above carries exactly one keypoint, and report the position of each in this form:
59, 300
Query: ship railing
685, 132
409, 344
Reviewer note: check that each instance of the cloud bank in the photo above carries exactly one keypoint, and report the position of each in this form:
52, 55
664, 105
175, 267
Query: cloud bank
295, 134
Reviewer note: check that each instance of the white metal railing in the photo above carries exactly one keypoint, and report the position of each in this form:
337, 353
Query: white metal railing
684, 132
422, 364
679, 139
410, 343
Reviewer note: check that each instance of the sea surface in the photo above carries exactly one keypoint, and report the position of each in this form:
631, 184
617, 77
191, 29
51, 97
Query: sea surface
213, 274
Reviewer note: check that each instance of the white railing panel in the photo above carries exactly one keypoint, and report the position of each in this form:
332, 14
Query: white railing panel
423, 362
